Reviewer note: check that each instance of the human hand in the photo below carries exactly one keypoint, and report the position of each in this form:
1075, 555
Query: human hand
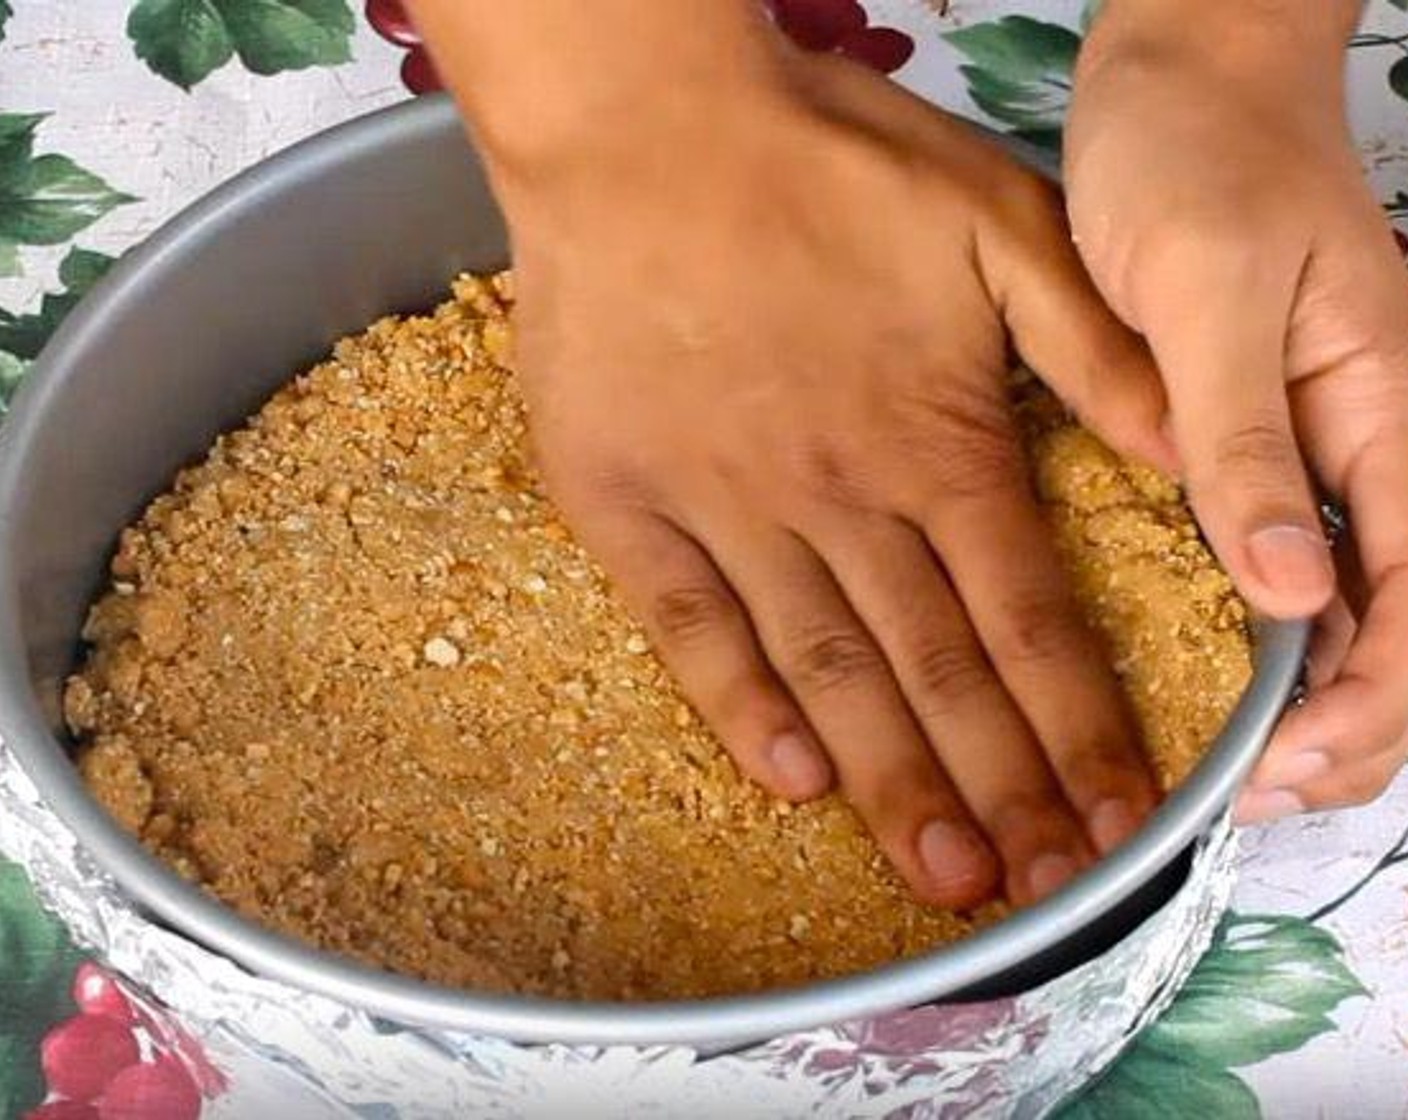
764, 335
1220, 206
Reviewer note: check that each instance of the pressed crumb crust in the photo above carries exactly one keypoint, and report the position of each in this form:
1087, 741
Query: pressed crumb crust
355, 678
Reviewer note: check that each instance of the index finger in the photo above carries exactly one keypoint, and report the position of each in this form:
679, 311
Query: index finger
1217, 321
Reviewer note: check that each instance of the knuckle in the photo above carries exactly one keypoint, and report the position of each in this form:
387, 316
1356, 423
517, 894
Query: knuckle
826, 476
1039, 630
944, 670
1380, 711
590, 481
965, 444
1362, 786
1375, 784
1384, 391
1253, 445
832, 659
1381, 773
1382, 741
683, 615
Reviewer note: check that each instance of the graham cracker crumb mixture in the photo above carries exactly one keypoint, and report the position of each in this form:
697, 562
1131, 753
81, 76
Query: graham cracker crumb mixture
355, 678
1176, 629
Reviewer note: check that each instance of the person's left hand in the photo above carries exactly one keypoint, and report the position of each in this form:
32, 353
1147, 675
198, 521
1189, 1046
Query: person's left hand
1219, 203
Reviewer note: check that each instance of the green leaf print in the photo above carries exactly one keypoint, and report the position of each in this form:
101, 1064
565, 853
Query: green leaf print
12, 371
1152, 1085
23, 336
1398, 76
1020, 48
37, 964
186, 40
17, 136
36, 960
1019, 73
81, 269
50, 200
1266, 986
44, 200
1397, 72
21, 1077
182, 40
275, 35
5, 13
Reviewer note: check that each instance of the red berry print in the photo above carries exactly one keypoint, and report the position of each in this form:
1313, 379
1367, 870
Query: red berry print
83, 1054
880, 48
389, 20
842, 26
818, 25
160, 1090
173, 1037
63, 1110
97, 993
418, 72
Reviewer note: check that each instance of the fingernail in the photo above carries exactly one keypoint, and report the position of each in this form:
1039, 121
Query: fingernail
1049, 872
1292, 560
953, 859
1293, 770
801, 770
1262, 807
1112, 823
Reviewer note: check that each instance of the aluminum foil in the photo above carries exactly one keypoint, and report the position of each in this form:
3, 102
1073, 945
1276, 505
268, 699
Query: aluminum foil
257, 1047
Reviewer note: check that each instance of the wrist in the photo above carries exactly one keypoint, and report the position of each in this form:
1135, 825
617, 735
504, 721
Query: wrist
1258, 39
553, 84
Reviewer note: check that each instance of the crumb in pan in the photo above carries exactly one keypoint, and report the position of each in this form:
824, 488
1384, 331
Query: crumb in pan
355, 678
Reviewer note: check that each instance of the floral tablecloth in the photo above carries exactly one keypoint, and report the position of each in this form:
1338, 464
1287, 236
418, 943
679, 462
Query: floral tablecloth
115, 113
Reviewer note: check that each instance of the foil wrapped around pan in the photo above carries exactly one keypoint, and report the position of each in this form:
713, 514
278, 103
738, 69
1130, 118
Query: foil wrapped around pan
259, 1048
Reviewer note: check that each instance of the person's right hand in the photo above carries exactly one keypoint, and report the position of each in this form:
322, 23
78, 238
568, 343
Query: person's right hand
765, 341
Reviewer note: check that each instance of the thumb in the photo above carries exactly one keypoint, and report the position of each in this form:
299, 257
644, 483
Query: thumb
1066, 334
1219, 336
